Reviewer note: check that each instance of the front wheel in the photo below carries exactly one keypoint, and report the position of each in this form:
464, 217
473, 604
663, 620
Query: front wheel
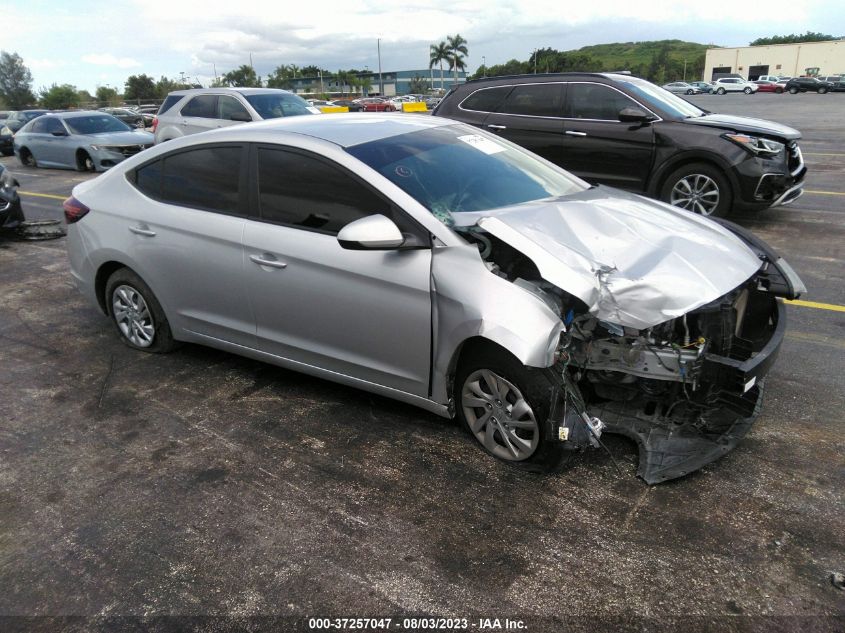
778, 90
822, 91
26, 158
793, 91
84, 162
698, 187
136, 313
505, 406
720, 91
747, 91
689, 92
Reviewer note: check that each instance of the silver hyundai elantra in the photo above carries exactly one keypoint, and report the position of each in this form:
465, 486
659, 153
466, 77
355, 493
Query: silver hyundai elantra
431, 262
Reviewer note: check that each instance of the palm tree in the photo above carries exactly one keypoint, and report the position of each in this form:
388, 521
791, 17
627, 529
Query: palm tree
457, 50
439, 53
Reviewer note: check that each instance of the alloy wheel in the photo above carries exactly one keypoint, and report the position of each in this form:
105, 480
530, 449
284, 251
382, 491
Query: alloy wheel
133, 316
499, 416
696, 192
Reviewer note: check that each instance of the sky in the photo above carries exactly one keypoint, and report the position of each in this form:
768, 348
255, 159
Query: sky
89, 43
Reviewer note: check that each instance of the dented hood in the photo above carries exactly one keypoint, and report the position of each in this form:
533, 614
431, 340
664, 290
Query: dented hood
633, 261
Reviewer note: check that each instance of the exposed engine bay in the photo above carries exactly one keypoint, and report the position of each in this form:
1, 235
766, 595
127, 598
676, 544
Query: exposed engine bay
685, 390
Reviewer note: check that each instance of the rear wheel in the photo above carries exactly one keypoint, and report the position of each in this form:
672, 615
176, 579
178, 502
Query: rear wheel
136, 313
822, 91
26, 158
690, 91
505, 406
747, 91
698, 187
793, 91
779, 90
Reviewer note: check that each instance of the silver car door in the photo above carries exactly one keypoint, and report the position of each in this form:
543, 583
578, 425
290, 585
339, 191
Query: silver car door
365, 314
188, 234
199, 114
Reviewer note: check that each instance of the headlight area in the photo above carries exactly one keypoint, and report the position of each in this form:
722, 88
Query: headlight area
686, 390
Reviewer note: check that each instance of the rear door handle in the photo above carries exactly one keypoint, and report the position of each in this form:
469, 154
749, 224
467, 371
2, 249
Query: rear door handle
574, 133
497, 127
266, 259
142, 230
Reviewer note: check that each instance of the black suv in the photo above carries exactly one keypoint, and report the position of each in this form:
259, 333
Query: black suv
619, 130
808, 84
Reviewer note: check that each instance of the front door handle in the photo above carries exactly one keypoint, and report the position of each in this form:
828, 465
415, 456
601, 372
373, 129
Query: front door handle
574, 133
142, 230
497, 127
266, 259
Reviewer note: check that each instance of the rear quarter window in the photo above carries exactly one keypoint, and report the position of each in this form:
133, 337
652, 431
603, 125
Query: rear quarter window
486, 99
169, 102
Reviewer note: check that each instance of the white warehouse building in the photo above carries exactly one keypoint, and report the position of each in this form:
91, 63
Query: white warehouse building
792, 60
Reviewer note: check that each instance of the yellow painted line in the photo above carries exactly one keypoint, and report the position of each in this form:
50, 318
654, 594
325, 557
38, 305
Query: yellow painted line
820, 154
818, 306
825, 193
42, 195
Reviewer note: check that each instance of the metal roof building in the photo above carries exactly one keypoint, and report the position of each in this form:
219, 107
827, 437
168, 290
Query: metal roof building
792, 60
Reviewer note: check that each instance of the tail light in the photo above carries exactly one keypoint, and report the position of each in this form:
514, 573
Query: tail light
74, 210
155, 124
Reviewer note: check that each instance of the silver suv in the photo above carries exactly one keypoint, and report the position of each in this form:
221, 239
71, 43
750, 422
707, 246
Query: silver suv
190, 111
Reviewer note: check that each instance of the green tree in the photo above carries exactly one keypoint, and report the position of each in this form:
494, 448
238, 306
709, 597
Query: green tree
419, 85
457, 51
107, 96
281, 77
438, 53
58, 97
164, 86
15, 81
512, 67
365, 82
243, 77
312, 71
86, 99
809, 36
140, 88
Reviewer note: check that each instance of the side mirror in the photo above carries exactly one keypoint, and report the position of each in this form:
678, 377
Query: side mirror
374, 232
634, 115
240, 116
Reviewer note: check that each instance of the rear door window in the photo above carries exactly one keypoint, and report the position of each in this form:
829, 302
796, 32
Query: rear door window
202, 106
535, 100
205, 178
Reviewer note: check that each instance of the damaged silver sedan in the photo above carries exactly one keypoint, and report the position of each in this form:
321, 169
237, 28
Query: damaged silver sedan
433, 263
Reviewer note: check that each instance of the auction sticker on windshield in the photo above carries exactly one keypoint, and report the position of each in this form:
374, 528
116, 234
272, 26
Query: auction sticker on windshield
482, 144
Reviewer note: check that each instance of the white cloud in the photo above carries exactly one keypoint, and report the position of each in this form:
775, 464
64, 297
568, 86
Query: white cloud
107, 59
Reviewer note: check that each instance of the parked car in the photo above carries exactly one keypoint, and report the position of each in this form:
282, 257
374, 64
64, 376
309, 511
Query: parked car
432, 102
526, 321
6, 141
734, 84
131, 118
16, 120
11, 214
83, 140
772, 78
626, 132
764, 85
187, 112
681, 87
808, 84
837, 81
346, 103
377, 104
703, 86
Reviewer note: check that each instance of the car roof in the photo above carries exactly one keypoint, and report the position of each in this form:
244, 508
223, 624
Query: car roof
243, 91
345, 130
75, 114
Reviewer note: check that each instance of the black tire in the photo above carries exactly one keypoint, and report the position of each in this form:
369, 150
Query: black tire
690, 91
720, 91
747, 91
822, 91
7, 152
779, 91
535, 388
84, 162
26, 158
723, 200
161, 340
793, 91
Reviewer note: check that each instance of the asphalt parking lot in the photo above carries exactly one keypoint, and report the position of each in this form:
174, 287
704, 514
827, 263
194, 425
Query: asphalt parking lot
204, 484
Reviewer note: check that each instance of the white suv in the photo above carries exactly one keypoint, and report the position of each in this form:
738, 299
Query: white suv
734, 84
190, 111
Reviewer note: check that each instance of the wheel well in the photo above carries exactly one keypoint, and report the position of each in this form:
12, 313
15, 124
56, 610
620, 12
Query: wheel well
103, 274
691, 160
475, 345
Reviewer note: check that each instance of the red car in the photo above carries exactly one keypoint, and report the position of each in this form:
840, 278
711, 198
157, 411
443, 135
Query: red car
769, 86
374, 104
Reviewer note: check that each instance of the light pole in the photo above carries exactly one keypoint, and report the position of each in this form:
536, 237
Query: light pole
380, 83
484, 65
